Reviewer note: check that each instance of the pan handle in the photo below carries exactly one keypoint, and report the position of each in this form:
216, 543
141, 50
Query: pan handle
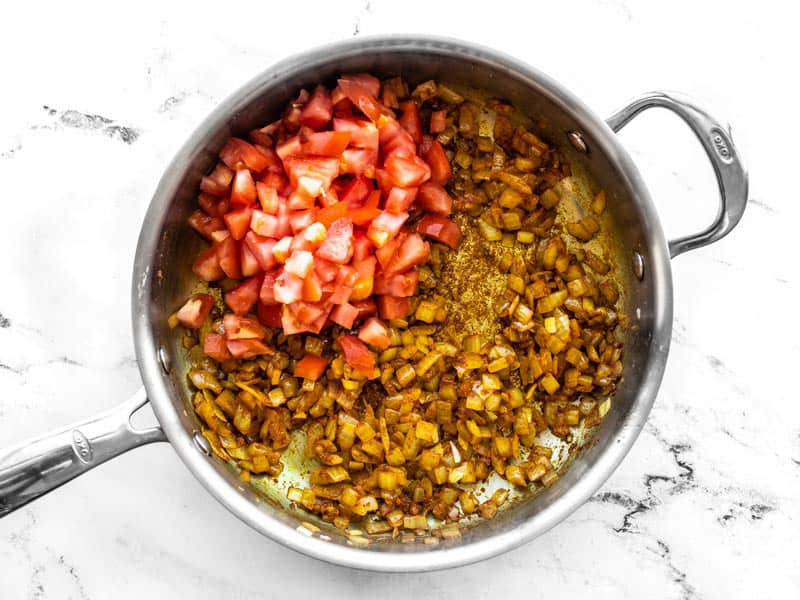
716, 141
34, 467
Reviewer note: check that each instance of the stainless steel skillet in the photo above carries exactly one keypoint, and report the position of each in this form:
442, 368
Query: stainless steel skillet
162, 279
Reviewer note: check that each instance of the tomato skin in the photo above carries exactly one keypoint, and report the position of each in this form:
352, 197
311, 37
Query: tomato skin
410, 120
248, 348
362, 247
385, 226
216, 347
243, 192
242, 328
207, 265
238, 221
269, 315
318, 110
194, 312
345, 315
346, 278
357, 355
204, 224
375, 333
369, 82
261, 248
383, 180
268, 198
438, 121
326, 143
440, 229
402, 285
362, 92
249, 263
401, 199
337, 246
331, 213
245, 295
386, 253
439, 164
434, 199
356, 191
237, 153
310, 367
407, 171
229, 255
395, 140
391, 307
289, 147
312, 288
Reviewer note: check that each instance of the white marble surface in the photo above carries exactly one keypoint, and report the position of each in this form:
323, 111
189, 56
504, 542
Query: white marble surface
707, 503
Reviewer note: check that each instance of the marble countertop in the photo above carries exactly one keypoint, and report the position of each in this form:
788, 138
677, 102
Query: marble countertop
97, 99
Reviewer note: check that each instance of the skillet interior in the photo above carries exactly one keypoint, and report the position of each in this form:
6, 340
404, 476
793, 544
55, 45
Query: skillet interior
163, 279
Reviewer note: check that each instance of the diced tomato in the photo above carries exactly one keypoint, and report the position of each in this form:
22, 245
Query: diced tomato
300, 200
229, 258
337, 96
314, 235
261, 248
387, 252
438, 121
312, 288
268, 198
192, 314
396, 140
363, 133
362, 93
346, 278
326, 143
282, 249
267, 293
310, 367
357, 355
289, 147
275, 180
401, 199
344, 315
338, 246
359, 161
242, 328
219, 235
329, 214
311, 174
356, 191
318, 110
243, 192
218, 182
407, 171
384, 181
238, 221
375, 333
366, 308
440, 229
204, 224
260, 137
269, 315
207, 265
362, 247
434, 199
439, 164
402, 285
288, 288
300, 263
325, 270
248, 348
244, 296
216, 347
284, 226
425, 145
237, 153
301, 219
249, 263
385, 226
362, 288
213, 206
264, 224
291, 116
410, 120
392, 307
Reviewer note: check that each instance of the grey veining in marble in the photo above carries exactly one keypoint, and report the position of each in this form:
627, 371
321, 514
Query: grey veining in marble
97, 99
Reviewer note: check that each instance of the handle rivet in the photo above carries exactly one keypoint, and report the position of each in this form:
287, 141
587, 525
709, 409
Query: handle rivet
202, 443
163, 359
577, 141
638, 266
